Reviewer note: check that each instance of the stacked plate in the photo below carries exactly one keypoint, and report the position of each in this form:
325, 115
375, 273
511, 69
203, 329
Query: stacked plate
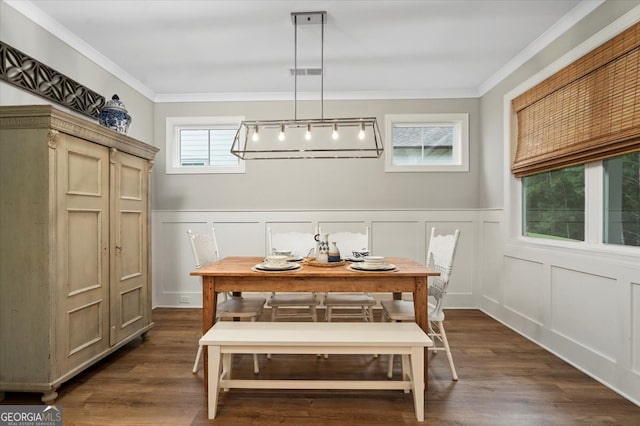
289, 266
373, 263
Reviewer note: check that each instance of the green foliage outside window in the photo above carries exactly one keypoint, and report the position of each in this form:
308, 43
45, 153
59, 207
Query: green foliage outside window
554, 204
622, 200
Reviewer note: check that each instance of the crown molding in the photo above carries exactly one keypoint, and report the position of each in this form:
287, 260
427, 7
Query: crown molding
313, 96
556, 30
36, 15
31, 12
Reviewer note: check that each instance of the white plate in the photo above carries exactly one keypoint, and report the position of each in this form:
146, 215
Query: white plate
365, 267
289, 265
354, 259
294, 259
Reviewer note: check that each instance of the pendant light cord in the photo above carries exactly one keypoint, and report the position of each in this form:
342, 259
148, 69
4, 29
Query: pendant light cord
295, 67
322, 68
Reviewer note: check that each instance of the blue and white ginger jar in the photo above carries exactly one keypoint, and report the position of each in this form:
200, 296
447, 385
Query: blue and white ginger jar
114, 115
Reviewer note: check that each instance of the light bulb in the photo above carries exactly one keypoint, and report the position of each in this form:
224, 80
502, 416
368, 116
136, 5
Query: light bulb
307, 134
334, 134
255, 135
361, 133
281, 134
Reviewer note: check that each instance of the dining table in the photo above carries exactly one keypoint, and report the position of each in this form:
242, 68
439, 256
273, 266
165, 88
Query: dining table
239, 274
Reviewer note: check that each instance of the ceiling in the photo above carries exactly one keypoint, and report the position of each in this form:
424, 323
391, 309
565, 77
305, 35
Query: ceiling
215, 50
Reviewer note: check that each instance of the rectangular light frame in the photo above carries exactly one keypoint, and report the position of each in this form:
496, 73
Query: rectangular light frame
268, 147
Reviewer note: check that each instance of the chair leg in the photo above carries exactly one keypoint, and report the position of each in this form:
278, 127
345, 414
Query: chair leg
314, 313
445, 342
198, 356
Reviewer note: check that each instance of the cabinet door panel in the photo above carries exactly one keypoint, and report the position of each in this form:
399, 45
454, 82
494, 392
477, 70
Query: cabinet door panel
82, 241
129, 180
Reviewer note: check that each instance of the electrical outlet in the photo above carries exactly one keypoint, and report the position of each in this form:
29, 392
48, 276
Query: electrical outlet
184, 299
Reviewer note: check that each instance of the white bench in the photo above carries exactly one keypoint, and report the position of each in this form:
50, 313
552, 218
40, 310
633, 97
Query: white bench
403, 338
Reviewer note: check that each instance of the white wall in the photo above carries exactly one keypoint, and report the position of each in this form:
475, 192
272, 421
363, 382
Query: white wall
580, 302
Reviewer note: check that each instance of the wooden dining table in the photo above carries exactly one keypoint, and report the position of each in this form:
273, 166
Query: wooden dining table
237, 274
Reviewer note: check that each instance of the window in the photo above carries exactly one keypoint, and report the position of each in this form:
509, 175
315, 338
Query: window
554, 204
622, 200
202, 145
427, 142
574, 150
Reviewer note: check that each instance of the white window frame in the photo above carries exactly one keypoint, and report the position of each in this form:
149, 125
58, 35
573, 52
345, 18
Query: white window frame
173, 127
460, 121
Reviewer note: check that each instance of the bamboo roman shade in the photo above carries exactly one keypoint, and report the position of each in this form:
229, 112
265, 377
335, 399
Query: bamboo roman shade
588, 111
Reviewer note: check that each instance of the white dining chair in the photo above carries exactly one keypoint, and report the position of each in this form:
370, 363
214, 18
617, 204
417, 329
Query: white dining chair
288, 305
342, 305
440, 256
205, 251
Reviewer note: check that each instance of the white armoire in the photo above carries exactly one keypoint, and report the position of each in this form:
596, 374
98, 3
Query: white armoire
75, 274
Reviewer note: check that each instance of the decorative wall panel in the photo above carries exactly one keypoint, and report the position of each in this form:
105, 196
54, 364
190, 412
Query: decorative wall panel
398, 239
392, 233
586, 322
635, 327
461, 278
489, 263
524, 287
27, 73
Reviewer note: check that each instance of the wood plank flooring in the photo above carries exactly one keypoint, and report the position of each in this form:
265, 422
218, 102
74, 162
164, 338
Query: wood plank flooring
504, 380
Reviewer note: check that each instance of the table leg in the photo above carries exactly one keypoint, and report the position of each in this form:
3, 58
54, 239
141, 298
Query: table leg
420, 306
209, 303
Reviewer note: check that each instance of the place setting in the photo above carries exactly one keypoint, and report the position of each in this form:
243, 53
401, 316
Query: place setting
358, 255
276, 263
291, 256
372, 264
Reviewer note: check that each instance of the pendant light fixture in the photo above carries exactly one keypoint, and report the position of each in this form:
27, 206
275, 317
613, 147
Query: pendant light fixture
296, 138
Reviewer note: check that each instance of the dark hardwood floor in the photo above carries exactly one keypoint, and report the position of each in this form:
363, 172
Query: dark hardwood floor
504, 380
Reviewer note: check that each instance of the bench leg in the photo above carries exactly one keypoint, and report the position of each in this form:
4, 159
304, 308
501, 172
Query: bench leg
213, 379
227, 366
406, 369
417, 373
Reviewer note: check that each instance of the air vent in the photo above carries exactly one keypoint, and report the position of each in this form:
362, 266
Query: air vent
305, 71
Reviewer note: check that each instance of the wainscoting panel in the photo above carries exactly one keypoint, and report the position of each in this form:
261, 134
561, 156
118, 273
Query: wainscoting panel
460, 291
525, 286
588, 310
490, 264
334, 227
585, 323
398, 239
635, 327
401, 233
240, 238
174, 261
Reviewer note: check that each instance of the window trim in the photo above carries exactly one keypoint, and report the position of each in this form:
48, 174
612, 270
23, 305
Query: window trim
172, 157
460, 147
